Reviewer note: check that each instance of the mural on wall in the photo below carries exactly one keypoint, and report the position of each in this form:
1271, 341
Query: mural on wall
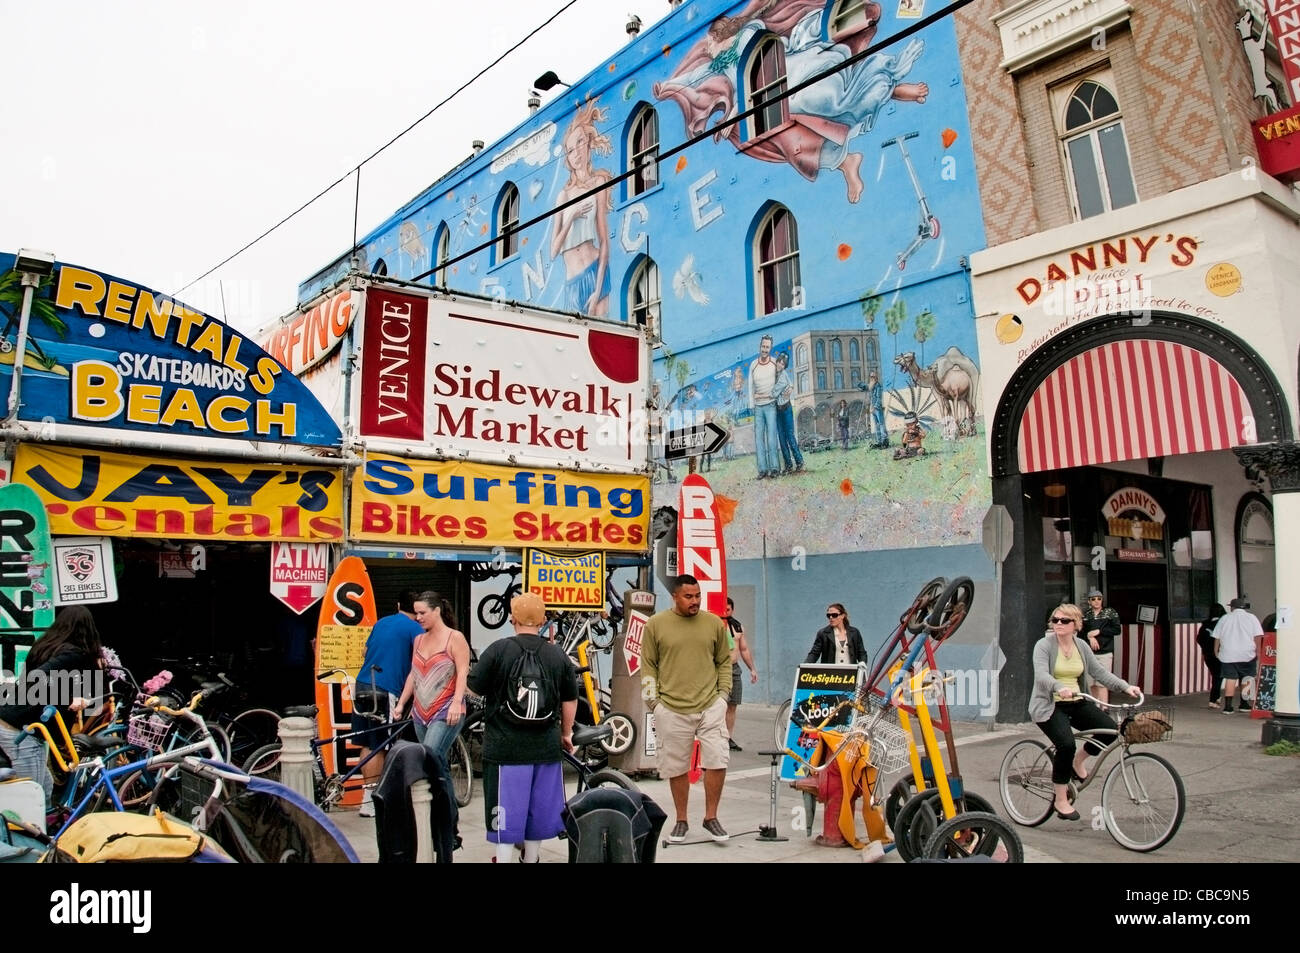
834, 222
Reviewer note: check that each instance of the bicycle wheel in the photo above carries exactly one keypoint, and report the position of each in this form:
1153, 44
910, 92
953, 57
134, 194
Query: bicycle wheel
922, 604
928, 815
492, 611
975, 834
601, 633
781, 724
903, 825
462, 771
1025, 782
250, 730
951, 608
264, 762
903, 791
624, 735
1143, 802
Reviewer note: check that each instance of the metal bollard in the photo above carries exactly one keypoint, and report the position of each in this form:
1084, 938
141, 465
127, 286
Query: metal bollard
296, 761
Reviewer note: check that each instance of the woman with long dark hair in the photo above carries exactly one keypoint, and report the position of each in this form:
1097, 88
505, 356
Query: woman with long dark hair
61, 662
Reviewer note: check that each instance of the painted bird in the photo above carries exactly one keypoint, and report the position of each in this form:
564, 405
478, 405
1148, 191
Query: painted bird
687, 281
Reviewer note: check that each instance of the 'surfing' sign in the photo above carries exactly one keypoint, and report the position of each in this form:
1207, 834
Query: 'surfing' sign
436, 503
88, 492
26, 579
103, 352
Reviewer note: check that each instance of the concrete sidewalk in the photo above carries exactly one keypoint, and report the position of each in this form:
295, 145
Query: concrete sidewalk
746, 806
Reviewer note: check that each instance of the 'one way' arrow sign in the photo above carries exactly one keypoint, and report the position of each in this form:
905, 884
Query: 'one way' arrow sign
694, 441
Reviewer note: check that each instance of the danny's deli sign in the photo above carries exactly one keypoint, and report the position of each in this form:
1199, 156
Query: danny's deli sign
468, 380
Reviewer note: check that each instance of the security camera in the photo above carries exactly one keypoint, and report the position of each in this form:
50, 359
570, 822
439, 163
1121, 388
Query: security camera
31, 261
633, 24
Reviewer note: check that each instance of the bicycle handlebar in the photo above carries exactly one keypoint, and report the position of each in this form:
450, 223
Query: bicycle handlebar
1097, 701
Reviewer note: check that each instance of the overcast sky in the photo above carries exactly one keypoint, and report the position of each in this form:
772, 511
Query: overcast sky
152, 139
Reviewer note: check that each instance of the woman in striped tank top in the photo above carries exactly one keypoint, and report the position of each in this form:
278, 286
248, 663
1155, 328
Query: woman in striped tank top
436, 685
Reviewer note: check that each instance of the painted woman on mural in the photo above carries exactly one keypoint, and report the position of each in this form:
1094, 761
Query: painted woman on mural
580, 230
824, 116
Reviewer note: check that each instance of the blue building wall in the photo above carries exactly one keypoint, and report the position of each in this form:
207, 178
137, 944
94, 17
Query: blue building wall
875, 166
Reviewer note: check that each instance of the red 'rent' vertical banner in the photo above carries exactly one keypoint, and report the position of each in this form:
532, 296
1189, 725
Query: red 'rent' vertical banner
700, 550
392, 365
1284, 21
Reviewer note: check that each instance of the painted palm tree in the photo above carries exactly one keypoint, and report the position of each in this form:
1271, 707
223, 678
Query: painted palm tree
925, 324
43, 310
870, 305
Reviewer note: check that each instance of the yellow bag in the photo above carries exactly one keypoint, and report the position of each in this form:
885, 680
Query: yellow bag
116, 837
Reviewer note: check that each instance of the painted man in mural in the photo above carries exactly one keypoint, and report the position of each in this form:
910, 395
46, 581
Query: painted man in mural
825, 116
762, 399
876, 399
580, 230
791, 456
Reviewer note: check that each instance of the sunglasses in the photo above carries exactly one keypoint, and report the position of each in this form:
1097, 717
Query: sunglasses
833, 615
1060, 620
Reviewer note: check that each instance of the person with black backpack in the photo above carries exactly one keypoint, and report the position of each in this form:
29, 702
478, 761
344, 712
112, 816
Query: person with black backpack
531, 691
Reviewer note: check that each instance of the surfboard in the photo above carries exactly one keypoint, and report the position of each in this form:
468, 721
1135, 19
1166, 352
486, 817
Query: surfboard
347, 614
27, 588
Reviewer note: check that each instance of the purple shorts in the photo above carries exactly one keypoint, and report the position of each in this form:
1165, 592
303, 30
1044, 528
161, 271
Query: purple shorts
523, 801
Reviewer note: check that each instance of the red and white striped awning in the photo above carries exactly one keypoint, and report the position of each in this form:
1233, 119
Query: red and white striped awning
1130, 400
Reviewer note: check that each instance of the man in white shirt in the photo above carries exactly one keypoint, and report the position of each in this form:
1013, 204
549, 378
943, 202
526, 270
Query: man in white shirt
762, 399
1236, 643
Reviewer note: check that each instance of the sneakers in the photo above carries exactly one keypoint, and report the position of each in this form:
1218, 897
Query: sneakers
679, 832
713, 829
367, 808
1227, 709
731, 743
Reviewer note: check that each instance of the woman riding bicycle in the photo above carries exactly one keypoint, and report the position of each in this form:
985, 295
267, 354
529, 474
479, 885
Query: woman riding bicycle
1061, 660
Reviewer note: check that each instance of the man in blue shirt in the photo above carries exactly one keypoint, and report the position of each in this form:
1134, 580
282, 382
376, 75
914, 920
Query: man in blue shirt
379, 682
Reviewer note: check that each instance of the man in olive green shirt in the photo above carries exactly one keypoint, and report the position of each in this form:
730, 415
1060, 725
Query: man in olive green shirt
687, 660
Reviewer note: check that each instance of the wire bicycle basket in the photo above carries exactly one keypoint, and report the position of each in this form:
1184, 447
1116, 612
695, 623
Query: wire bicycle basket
1149, 724
146, 728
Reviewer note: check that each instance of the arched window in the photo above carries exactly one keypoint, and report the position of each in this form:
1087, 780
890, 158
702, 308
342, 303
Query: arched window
441, 252
821, 379
803, 382
837, 350
855, 377
854, 351
839, 379
642, 147
766, 85
380, 269
1096, 154
848, 14
872, 357
801, 356
507, 223
821, 351
776, 251
644, 297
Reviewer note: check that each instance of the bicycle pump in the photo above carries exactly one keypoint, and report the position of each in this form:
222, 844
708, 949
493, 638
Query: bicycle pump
769, 833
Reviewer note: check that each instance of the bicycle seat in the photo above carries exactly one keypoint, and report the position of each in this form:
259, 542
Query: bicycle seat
301, 711
97, 742
209, 688
584, 735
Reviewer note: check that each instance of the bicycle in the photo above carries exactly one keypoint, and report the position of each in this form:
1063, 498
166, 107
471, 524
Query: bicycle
494, 608
1142, 799
594, 705
329, 789
591, 770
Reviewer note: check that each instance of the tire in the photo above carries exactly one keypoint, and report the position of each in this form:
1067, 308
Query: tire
924, 601
462, 771
902, 792
903, 824
951, 609
781, 724
492, 611
610, 777
251, 730
1143, 802
624, 736
928, 815
1025, 782
601, 633
264, 762
975, 834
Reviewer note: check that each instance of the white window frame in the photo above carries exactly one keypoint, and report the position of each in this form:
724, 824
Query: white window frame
645, 295
762, 265
507, 244
1061, 97
642, 157
759, 95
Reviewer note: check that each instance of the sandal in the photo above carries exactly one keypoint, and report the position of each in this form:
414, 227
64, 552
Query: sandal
1217, 706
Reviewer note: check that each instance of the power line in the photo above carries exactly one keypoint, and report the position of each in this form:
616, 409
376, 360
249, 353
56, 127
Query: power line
357, 169
713, 131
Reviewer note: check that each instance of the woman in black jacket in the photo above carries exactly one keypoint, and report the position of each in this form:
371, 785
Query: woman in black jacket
837, 642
